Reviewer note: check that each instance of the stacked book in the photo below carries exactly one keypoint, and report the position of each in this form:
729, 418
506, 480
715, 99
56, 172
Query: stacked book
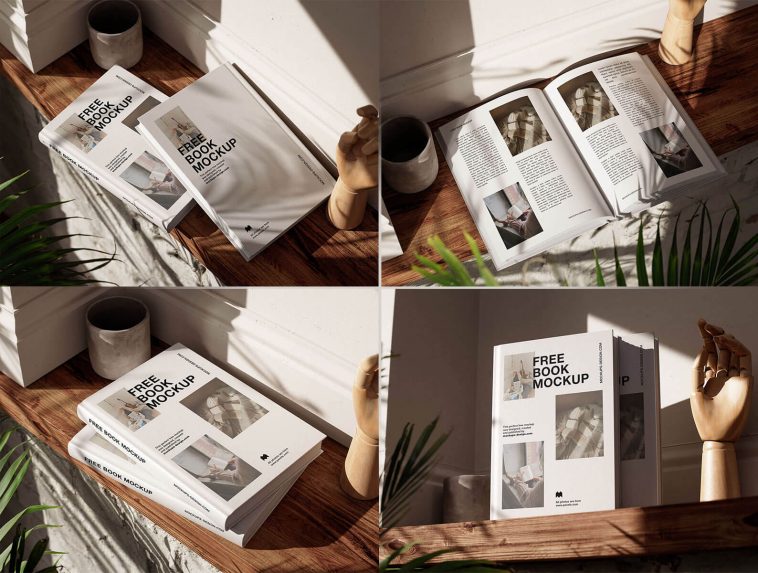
196, 440
216, 143
575, 425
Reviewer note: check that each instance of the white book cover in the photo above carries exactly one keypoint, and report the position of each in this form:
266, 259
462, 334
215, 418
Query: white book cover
224, 445
97, 134
553, 426
247, 170
639, 426
91, 448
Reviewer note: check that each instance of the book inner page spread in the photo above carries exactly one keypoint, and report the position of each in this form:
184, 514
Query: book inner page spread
520, 176
634, 139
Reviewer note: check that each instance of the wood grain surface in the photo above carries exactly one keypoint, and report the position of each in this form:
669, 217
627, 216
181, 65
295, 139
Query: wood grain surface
313, 252
717, 89
315, 528
632, 531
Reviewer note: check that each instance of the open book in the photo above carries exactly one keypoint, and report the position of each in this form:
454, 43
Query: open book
537, 167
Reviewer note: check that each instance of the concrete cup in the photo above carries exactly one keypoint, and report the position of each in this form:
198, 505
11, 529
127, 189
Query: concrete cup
115, 33
118, 335
409, 158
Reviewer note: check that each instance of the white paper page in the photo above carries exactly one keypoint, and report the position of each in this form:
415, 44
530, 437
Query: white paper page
635, 141
520, 176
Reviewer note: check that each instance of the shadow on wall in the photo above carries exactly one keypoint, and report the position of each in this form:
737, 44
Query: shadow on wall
442, 343
448, 23
352, 30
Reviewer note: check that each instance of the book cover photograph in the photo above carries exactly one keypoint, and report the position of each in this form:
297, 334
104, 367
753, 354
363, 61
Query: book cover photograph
554, 446
97, 133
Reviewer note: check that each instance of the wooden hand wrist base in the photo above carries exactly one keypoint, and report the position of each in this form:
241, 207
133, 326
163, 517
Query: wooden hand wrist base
719, 477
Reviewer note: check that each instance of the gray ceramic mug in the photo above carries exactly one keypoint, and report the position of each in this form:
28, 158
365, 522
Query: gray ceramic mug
118, 335
409, 158
115, 33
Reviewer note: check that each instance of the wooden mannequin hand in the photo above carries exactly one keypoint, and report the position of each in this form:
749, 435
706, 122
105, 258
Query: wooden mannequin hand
366, 397
358, 152
722, 381
676, 38
685, 9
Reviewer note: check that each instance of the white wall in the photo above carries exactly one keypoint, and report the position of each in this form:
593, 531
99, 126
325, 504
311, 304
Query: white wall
433, 373
439, 57
301, 347
471, 322
315, 59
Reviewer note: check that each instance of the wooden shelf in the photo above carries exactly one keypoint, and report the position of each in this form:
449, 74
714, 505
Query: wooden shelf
316, 527
313, 252
622, 532
717, 89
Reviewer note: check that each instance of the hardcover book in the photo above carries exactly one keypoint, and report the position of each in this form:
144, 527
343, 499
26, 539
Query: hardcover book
554, 439
602, 141
225, 446
94, 450
638, 420
97, 134
246, 169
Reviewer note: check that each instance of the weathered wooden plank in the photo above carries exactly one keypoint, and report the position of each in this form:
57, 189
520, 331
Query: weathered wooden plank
315, 528
631, 531
718, 90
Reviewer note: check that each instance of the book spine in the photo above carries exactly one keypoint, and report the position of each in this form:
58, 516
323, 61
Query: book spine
104, 181
157, 495
214, 515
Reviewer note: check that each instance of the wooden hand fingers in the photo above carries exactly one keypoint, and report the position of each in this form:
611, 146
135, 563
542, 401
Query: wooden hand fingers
367, 111
699, 370
347, 140
740, 362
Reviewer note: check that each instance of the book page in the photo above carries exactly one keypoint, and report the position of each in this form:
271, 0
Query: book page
521, 178
635, 137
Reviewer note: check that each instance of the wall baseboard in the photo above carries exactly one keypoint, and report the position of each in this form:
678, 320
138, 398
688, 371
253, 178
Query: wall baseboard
208, 44
43, 332
290, 367
461, 80
283, 365
45, 33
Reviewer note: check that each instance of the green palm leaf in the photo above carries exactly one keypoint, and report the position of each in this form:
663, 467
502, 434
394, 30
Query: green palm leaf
29, 256
408, 471
11, 477
599, 278
452, 271
422, 563
641, 268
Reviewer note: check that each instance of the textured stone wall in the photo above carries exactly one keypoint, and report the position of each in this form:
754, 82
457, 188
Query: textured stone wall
146, 254
99, 533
